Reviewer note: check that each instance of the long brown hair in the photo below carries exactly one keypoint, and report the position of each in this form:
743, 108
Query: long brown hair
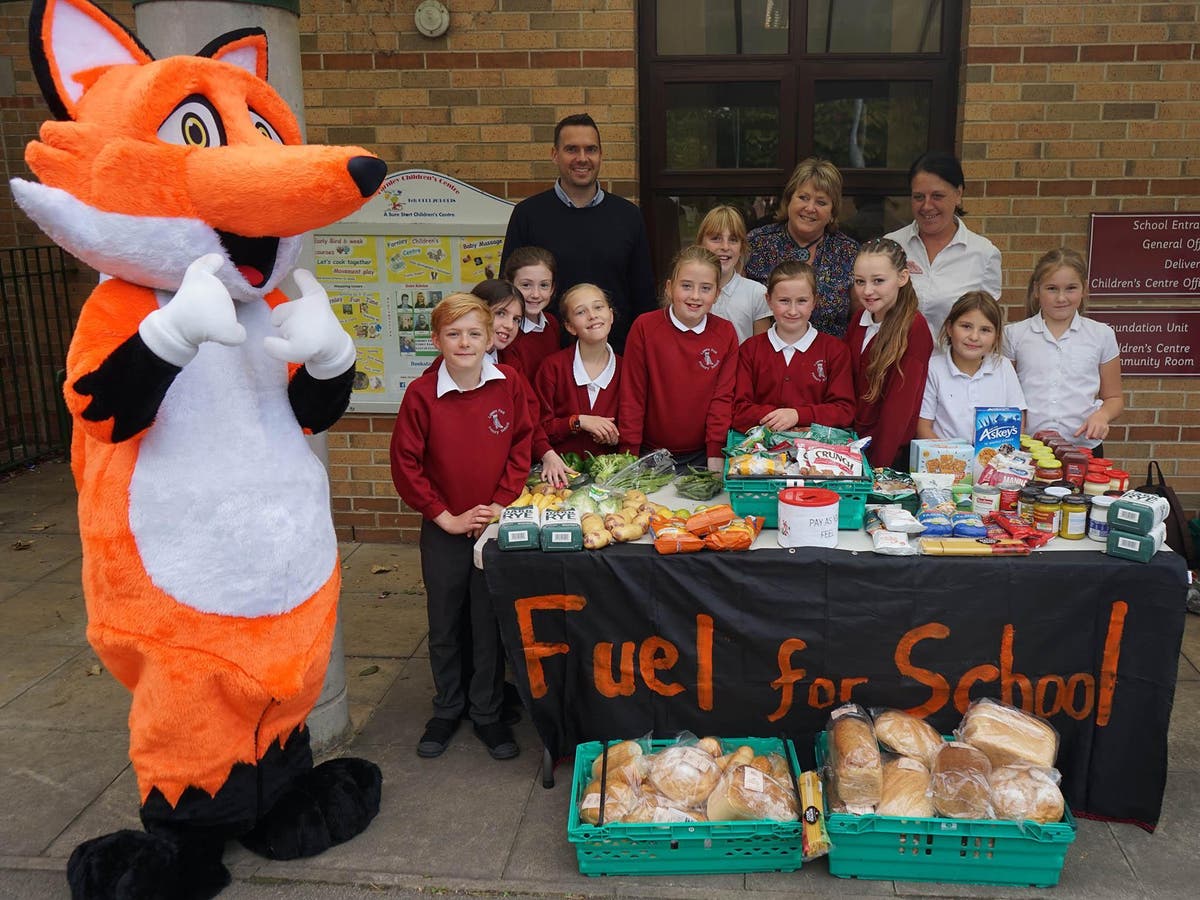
892, 341
969, 302
1049, 263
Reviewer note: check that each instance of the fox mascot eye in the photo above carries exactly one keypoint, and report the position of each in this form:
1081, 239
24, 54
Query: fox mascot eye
193, 123
264, 127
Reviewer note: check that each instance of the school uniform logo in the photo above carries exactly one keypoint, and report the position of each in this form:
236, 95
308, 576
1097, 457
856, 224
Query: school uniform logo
709, 358
498, 421
819, 370
914, 268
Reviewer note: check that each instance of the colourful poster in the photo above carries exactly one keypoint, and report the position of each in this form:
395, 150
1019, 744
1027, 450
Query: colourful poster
369, 371
346, 258
418, 261
479, 258
360, 312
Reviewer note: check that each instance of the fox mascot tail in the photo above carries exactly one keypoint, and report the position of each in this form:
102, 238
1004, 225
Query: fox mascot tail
210, 565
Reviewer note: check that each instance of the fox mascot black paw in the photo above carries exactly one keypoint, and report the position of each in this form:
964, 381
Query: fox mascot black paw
210, 565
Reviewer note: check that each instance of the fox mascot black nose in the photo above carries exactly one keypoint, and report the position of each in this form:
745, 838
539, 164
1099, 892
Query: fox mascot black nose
368, 173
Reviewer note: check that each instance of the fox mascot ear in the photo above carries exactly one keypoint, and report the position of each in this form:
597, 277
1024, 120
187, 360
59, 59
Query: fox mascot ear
71, 43
245, 48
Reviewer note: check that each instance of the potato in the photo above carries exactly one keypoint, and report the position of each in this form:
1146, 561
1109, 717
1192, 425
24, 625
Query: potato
591, 522
625, 533
614, 520
636, 497
594, 540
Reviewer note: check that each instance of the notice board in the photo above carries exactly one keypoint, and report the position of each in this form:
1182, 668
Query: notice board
424, 236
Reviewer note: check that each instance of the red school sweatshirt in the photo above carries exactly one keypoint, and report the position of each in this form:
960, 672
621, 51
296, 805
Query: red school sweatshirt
532, 348
463, 448
891, 420
817, 383
677, 386
562, 398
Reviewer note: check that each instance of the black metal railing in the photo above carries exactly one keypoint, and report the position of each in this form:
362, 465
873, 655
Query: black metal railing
35, 328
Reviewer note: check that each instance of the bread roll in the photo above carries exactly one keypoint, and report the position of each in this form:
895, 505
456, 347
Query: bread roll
1026, 793
854, 759
619, 756
959, 782
905, 789
684, 773
746, 793
1008, 735
711, 746
907, 735
619, 798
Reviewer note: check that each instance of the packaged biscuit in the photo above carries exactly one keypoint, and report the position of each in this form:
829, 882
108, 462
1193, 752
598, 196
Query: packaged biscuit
942, 457
997, 432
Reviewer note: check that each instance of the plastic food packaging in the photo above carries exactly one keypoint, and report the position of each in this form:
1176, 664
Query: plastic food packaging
854, 761
905, 789
1007, 734
757, 464
907, 735
892, 543
745, 792
706, 521
814, 833
1027, 793
685, 773
736, 535
964, 546
896, 518
959, 782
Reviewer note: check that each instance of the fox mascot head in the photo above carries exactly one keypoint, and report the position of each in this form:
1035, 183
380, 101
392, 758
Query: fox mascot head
210, 566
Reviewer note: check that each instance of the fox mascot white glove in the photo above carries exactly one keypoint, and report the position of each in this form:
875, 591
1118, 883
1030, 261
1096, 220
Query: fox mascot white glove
310, 332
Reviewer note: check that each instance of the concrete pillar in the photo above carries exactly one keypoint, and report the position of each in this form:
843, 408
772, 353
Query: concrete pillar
175, 27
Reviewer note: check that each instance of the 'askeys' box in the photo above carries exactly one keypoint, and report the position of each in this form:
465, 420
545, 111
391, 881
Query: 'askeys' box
520, 528
997, 430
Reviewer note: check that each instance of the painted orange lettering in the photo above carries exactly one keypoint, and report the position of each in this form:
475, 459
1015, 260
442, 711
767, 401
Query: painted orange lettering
1008, 678
821, 693
1081, 711
1039, 699
704, 662
658, 653
602, 670
535, 651
1108, 663
787, 676
939, 688
962, 694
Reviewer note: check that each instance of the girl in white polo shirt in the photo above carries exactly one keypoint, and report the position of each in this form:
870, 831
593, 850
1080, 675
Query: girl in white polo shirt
742, 301
969, 372
1069, 366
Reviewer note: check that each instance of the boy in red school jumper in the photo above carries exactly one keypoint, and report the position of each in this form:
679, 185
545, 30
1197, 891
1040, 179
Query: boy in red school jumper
460, 454
579, 385
793, 375
679, 369
531, 270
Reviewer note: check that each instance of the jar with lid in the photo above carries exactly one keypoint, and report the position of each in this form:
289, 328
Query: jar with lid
1046, 433
1026, 500
1009, 495
1118, 480
1095, 483
1046, 513
1075, 466
1098, 518
1048, 470
1073, 522
1100, 462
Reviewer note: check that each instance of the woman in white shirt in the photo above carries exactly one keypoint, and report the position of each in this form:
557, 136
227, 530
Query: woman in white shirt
945, 258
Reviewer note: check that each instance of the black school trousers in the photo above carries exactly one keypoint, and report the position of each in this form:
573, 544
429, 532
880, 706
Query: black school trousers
458, 605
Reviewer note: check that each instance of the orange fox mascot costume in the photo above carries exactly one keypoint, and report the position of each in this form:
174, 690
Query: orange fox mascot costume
210, 565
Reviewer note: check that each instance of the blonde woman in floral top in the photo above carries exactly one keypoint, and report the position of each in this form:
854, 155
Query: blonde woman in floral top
807, 231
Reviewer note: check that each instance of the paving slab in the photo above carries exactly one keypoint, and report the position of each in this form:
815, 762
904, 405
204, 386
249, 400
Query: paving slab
1168, 861
450, 816
383, 626
814, 879
51, 556
365, 688
45, 613
26, 664
1191, 642
70, 699
33, 884
1183, 739
46, 778
57, 518
403, 562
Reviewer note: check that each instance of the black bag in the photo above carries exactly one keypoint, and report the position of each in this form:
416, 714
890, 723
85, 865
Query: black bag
1179, 538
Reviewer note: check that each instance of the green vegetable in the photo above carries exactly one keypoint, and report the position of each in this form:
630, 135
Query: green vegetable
606, 465
699, 484
573, 461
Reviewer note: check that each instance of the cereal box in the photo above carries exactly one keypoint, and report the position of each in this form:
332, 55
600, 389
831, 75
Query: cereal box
997, 430
933, 455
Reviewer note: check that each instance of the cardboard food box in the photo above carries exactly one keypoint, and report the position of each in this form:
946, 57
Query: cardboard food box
520, 528
561, 530
997, 430
933, 455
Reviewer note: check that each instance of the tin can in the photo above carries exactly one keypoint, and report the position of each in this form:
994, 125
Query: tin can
985, 499
1008, 498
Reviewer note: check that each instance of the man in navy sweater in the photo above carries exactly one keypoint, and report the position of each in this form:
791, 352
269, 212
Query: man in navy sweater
595, 236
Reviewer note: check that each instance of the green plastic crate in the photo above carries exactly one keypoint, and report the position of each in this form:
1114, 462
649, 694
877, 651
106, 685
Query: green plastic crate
758, 496
682, 848
960, 851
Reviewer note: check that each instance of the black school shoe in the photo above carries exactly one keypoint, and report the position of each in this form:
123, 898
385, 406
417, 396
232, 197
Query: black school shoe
438, 732
499, 740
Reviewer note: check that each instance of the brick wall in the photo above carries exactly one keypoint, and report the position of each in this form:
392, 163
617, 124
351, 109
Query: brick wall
1074, 108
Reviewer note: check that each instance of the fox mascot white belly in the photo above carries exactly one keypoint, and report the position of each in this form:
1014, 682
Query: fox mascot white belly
210, 566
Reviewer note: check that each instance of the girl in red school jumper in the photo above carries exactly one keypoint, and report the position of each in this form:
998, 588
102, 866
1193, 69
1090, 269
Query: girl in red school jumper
793, 375
579, 386
508, 309
890, 345
468, 405
680, 367
531, 271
